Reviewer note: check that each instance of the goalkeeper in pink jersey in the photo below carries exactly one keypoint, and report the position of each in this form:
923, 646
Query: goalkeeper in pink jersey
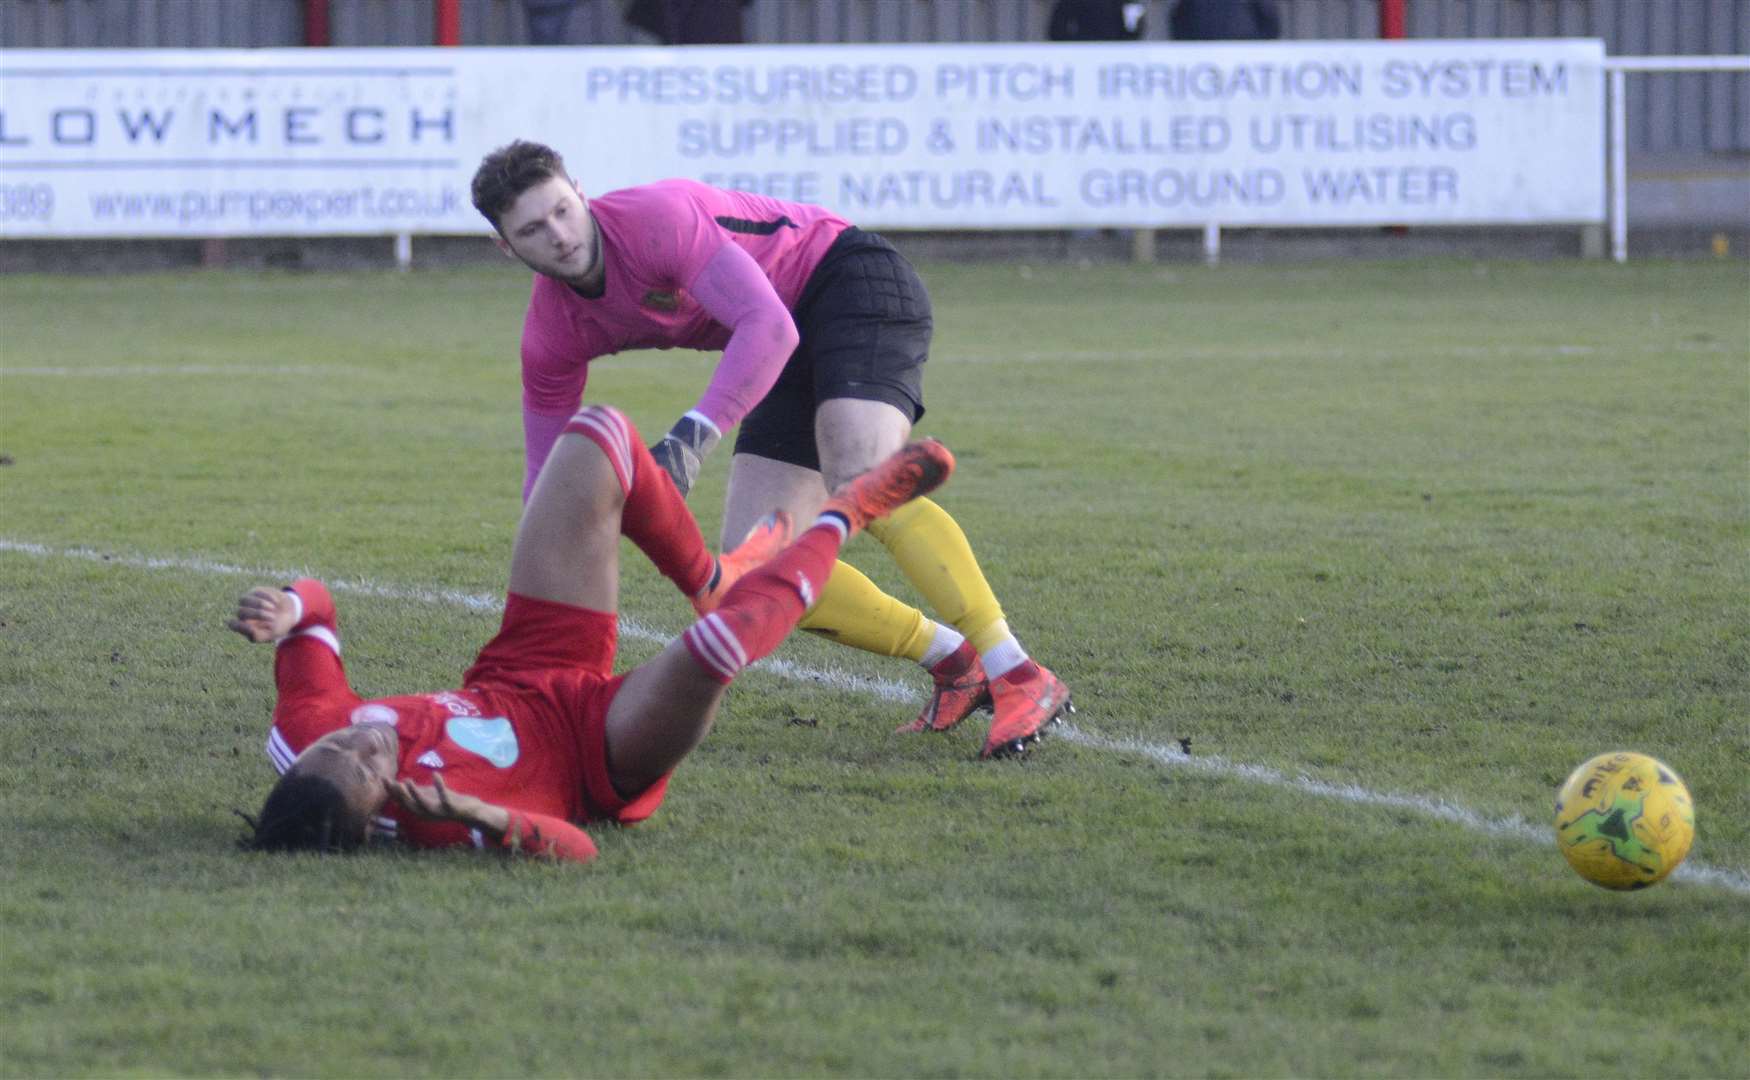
824, 330
543, 737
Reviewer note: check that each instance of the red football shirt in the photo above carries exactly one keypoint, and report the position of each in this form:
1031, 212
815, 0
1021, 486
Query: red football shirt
526, 748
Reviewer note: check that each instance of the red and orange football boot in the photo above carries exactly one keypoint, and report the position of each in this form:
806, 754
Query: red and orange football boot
961, 690
768, 537
914, 469
1026, 701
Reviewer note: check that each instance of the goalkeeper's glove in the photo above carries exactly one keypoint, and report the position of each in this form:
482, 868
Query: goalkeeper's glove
684, 447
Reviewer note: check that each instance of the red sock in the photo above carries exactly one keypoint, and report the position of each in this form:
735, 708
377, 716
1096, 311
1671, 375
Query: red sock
656, 518
761, 609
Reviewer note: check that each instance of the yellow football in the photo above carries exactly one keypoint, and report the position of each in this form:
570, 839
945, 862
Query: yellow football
1624, 820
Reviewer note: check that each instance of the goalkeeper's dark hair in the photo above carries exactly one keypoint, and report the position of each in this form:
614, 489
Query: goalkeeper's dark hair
509, 171
304, 813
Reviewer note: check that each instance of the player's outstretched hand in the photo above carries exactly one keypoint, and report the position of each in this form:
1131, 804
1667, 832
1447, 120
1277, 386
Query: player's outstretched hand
440, 803
264, 614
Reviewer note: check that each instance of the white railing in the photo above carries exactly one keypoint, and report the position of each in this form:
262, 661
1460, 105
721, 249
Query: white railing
1618, 68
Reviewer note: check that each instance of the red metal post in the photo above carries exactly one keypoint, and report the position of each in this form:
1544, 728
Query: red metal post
1392, 18
316, 30
1391, 28
449, 21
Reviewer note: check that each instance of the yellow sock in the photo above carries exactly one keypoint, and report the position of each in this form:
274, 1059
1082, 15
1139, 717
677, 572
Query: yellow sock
931, 549
852, 610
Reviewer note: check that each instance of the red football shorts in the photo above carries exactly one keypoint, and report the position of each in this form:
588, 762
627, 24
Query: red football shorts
558, 661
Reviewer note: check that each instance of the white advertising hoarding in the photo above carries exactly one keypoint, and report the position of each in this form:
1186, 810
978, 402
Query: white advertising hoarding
166, 143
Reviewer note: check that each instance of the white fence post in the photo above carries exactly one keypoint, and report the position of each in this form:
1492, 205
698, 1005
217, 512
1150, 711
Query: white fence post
1618, 165
1618, 68
1142, 246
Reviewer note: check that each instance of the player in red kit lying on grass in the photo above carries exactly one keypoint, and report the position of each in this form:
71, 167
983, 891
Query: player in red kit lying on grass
543, 736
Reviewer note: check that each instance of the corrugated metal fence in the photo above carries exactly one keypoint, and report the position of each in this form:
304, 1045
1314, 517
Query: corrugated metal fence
1667, 113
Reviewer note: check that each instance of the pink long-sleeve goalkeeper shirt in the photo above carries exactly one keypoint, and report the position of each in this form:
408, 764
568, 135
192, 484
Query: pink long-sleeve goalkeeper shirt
687, 265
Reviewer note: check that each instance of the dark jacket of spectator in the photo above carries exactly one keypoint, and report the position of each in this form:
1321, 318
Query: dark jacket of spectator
1225, 20
689, 22
1095, 20
548, 20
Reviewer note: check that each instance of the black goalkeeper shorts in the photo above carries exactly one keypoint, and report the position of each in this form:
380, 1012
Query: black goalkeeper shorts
864, 321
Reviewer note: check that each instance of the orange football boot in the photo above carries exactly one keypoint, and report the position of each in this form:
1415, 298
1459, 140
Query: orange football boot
1024, 709
914, 469
768, 537
961, 690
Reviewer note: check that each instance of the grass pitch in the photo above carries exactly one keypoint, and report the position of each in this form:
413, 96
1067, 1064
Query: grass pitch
1395, 546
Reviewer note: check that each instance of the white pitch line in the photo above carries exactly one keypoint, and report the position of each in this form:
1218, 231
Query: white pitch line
884, 689
1514, 828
